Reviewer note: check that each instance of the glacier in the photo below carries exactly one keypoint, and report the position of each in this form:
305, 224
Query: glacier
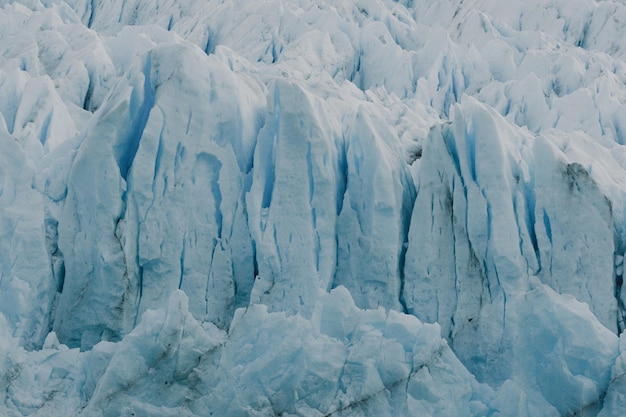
312, 208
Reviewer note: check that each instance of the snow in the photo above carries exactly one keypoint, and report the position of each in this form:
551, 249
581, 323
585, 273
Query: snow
348, 208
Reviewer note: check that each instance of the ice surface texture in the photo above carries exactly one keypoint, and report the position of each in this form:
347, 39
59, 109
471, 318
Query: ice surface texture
312, 208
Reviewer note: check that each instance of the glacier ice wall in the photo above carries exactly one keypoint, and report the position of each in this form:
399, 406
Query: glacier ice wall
305, 208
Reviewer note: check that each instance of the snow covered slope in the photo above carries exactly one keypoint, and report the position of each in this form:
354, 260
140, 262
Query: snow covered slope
312, 208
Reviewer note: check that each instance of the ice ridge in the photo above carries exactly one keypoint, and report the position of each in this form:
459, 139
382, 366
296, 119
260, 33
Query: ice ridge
298, 208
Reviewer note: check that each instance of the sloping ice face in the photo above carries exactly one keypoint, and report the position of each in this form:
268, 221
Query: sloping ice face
297, 208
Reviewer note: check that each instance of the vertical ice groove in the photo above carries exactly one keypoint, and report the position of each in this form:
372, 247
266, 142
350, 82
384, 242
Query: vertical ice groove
217, 196
401, 265
92, 12
139, 291
470, 143
456, 89
621, 314
406, 213
454, 256
159, 155
432, 213
208, 46
45, 128
54, 253
318, 248
127, 148
189, 119
88, 93
179, 162
530, 199
208, 281
212, 165
356, 70
182, 261
448, 137
619, 135
121, 13
278, 249
276, 50
618, 275
546, 224
270, 175
488, 220
310, 176
311, 184
518, 227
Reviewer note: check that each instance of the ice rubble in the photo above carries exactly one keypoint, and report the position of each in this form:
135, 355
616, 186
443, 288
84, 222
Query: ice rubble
354, 208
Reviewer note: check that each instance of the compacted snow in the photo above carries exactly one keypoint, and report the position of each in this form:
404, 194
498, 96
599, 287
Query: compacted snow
312, 208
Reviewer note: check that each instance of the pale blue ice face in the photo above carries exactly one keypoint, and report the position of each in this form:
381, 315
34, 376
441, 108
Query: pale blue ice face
312, 208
